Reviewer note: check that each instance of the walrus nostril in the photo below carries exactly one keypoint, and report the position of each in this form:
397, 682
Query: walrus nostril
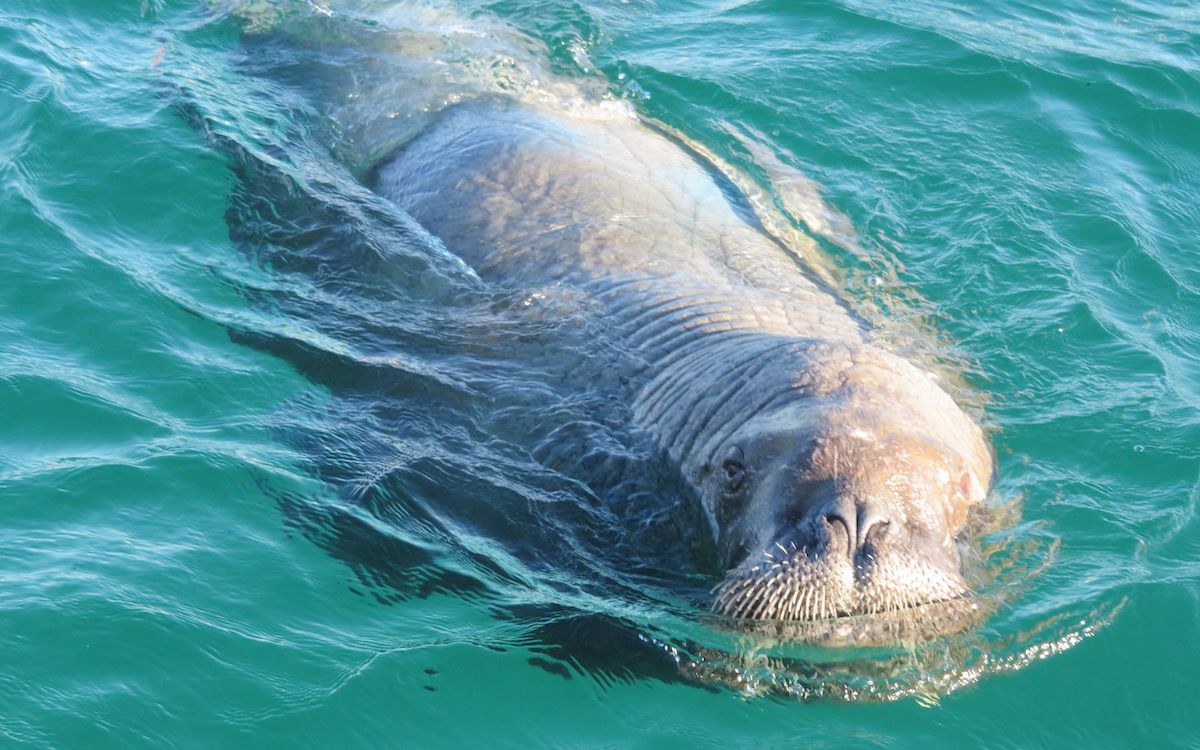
838, 527
875, 530
873, 536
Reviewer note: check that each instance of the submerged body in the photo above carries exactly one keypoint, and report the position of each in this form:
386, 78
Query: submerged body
837, 477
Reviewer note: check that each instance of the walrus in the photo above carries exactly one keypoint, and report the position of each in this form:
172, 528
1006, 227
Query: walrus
837, 476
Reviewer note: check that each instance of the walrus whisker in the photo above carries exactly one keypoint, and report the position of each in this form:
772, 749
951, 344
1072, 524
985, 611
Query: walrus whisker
791, 587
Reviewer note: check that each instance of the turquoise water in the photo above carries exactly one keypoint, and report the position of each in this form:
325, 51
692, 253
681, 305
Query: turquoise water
261, 454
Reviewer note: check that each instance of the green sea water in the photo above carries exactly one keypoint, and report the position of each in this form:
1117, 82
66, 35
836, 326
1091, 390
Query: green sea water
238, 395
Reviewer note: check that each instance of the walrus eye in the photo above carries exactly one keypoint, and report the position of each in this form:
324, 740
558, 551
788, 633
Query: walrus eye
735, 474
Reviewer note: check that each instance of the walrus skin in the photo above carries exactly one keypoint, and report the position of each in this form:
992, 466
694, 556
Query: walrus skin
837, 476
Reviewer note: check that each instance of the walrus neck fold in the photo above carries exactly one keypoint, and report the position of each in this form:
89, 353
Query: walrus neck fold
709, 388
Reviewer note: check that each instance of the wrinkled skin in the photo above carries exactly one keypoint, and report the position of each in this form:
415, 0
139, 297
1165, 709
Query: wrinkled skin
837, 476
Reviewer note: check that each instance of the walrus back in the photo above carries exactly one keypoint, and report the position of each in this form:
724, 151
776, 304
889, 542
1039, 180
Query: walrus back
602, 202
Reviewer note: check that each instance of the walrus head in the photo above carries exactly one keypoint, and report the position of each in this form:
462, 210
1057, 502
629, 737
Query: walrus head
822, 513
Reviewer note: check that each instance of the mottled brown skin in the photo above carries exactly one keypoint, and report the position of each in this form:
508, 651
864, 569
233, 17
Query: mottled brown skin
837, 476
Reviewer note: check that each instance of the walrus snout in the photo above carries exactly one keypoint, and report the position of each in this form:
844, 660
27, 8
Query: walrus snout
840, 564
800, 583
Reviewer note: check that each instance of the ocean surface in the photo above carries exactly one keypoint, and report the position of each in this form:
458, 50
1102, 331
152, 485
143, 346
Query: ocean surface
276, 470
